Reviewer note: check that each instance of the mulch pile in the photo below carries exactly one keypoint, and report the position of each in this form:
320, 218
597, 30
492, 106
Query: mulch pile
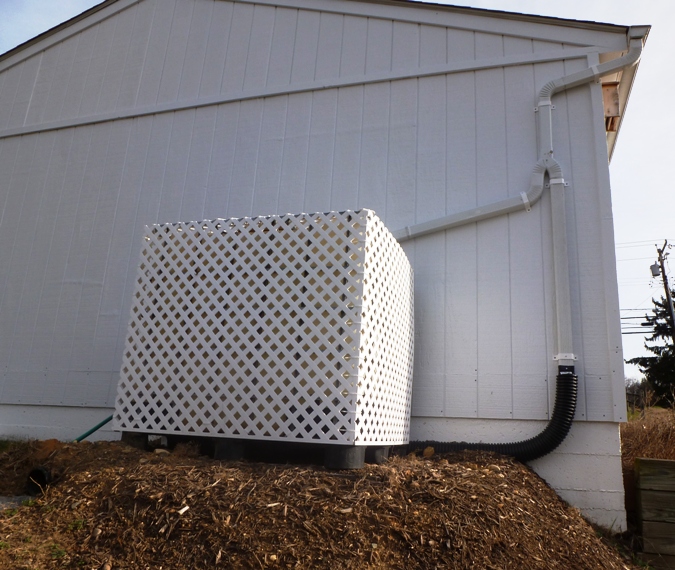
112, 506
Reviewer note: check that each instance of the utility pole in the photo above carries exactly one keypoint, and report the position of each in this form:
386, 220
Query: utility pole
669, 299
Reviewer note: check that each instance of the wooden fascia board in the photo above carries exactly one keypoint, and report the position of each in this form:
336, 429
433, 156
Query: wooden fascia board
625, 88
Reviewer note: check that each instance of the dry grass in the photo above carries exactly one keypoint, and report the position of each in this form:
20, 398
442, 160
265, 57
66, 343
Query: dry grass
651, 434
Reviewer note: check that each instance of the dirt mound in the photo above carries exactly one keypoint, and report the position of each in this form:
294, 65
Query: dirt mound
112, 506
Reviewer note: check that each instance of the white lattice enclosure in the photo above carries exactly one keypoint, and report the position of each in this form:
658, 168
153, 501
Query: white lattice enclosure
293, 327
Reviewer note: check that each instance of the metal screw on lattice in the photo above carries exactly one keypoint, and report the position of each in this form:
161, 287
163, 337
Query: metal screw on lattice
296, 327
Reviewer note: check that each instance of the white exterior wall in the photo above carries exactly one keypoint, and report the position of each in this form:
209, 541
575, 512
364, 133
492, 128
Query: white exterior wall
228, 109
585, 470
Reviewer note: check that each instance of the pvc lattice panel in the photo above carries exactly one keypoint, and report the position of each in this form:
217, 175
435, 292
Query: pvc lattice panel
294, 327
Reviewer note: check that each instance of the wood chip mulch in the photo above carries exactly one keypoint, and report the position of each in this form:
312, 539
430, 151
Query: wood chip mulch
112, 507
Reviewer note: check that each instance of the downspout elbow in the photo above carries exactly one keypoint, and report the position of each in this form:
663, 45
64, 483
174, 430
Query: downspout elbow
593, 73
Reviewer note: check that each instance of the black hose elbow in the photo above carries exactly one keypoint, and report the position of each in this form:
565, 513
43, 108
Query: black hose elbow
541, 444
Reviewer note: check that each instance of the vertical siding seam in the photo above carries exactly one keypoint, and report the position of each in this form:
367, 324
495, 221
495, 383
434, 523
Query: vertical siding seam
295, 43
5, 288
388, 153
234, 159
368, 34
32, 91
16, 93
342, 42
97, 28
227, 49
131, 259
284, 142
419, 46
417, 147
187, 43
358, 167
316, 51
162, 178
107, 63
187, 163
335, 132
124, 169
24, 68
32, 246
391, 48
87, 257
14, 162
145, 53
5, 118
127, 49
71, 64
3, 146
260, 9
248, 52
80, 183
51, 243
257, 157
209, 166
206, 48
52, 83
166, 50
309, 138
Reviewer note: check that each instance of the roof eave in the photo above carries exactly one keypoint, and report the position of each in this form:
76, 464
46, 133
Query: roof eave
625, 88
533, 18
56, 29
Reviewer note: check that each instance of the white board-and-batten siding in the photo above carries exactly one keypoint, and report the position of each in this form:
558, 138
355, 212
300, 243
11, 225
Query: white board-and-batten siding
153, 111
410, 148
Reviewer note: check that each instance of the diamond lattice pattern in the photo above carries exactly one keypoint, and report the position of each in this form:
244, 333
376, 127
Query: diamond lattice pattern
294, 327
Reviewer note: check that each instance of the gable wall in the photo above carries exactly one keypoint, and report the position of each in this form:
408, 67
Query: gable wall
153, 53
410, 148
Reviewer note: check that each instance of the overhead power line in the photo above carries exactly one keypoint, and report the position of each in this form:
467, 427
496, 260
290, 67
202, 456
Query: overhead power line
639, 243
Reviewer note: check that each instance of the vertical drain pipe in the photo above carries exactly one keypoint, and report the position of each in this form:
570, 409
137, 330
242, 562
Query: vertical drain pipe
566, 383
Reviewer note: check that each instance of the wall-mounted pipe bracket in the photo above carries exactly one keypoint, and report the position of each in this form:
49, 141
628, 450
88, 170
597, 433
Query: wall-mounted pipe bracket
564, 356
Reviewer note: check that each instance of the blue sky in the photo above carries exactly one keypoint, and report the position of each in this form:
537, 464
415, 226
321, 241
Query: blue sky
642, 190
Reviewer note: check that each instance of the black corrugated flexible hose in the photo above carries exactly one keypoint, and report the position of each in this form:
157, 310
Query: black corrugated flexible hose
541, 444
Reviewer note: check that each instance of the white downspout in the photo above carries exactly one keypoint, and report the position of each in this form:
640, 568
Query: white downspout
565, 347
562, 417
547, 165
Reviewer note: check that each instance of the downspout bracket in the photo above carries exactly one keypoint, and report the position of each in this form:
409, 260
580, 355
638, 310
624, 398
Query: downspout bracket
564, 356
